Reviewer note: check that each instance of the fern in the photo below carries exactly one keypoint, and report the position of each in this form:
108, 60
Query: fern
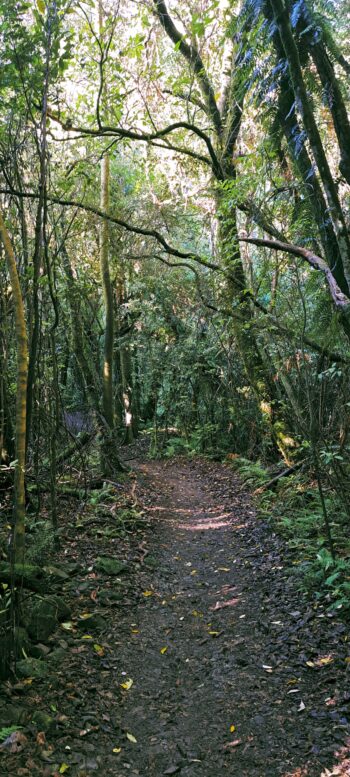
7, 731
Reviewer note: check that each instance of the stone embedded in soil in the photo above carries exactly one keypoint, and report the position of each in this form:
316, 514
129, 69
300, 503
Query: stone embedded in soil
57, 656
108, 593
94, 622
12, 715
56, 574
109, 565
39, 651
32, 667
43, 615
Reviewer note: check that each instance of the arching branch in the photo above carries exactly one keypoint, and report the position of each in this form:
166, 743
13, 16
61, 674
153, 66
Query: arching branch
146, 137
340, 300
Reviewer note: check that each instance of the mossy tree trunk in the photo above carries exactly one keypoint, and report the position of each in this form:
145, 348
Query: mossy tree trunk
21, 398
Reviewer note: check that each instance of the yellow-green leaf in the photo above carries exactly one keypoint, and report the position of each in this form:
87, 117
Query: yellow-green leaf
131, 738
117, 750
42, 8
63, 768
127, 685
148, 593
163, 650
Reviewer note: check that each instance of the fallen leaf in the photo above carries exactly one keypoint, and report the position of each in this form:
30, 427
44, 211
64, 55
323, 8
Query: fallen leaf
301, 706
99, 650
64, 768
87, 636
163, 650
194, 572
41, 739
127, 685
131, 737
116, 750
232, 729
14, 743
223, 569
235, 743
147, 593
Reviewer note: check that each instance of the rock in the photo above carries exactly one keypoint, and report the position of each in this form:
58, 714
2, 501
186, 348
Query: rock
39, 650
43, 615
63, 611
43, 721
108, 594
26, 575
12, 715
32, 667
56, 574
73, 568
57, 656
94, 622
109, 565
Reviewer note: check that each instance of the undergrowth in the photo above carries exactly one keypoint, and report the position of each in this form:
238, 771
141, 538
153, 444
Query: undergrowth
295, 512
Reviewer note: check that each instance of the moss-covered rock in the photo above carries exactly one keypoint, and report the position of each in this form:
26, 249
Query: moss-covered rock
56, 575
43, 721
13, 715
107, 594
94, 622
42, 616
56, 657
23, 575
32, 667
110, 566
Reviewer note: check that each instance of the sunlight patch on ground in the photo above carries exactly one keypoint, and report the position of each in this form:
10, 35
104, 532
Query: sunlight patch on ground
204, 525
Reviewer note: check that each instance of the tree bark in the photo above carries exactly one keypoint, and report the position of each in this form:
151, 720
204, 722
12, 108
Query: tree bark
21, 398
303, 100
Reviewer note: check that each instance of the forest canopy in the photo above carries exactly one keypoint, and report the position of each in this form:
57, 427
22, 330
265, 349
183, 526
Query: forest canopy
175, 234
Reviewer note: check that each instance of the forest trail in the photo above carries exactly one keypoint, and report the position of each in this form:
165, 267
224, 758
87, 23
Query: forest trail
207, 660
218, 651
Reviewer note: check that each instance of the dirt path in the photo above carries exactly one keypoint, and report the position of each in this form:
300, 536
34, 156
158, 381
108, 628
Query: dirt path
218, 653
233, 671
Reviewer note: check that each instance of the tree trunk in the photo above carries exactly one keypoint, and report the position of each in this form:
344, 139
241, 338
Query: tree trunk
21, 398
303, 100
107, 374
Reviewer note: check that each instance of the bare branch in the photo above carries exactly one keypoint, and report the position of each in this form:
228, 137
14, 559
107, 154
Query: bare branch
340, 300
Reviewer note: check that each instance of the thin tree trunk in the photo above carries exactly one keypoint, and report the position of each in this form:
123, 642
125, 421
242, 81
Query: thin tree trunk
21, 398
107, 375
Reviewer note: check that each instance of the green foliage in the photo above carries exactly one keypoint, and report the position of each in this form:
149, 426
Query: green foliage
41, 540
328, 579
252, 473
7, 731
